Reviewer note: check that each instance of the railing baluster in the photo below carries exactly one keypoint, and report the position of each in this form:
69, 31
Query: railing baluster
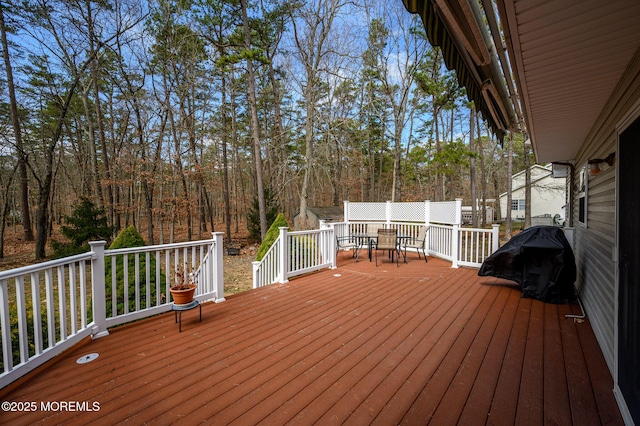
7, 350
158, 284
125, 267
62, 304
37, 317
48, 279
114, 288
22, 320
83, 295
73, 299
136, 269
147, 280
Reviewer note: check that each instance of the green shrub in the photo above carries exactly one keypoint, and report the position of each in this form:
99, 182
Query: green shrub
254, 213
127, 238
271, 236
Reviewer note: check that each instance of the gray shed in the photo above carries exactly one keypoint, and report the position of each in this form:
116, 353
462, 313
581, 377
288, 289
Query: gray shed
316, 214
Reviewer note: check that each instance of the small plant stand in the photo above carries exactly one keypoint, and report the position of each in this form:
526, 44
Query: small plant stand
178, 309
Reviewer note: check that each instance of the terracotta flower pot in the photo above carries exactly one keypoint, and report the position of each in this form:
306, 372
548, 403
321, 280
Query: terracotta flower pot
182, 297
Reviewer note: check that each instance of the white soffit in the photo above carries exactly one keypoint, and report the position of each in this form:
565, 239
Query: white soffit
569, 56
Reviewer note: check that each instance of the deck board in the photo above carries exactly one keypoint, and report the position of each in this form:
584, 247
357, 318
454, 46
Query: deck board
556, 393
415, 344
531, 381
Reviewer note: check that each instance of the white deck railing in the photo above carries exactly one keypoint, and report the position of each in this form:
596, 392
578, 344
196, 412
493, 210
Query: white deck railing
295, 253
312, 250
34, 329
475, 245
460, 246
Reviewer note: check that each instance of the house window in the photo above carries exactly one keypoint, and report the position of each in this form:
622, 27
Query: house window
517, 204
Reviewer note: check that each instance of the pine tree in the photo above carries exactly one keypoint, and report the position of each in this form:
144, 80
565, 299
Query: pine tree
87, 223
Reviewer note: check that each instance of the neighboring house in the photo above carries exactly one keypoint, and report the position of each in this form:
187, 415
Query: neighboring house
548, 195
575, 91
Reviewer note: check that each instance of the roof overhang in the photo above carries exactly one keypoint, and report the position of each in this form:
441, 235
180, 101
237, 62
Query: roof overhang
566, 58
458, 28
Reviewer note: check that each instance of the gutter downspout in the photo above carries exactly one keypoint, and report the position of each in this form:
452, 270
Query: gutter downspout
571, 189
495, 74
504, 60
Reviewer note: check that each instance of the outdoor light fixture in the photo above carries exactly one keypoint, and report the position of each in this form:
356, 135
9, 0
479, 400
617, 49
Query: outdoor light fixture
594, 164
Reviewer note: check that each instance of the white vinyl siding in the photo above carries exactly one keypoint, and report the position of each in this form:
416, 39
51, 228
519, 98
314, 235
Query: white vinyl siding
595, 245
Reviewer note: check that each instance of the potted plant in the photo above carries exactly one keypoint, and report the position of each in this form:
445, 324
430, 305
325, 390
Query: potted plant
182, 292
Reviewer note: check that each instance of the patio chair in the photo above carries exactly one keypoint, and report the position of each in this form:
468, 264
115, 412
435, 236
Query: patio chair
388, 241
372, 228
349, 243
419, 243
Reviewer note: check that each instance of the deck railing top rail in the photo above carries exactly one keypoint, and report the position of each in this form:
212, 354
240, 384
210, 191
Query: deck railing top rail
43, 266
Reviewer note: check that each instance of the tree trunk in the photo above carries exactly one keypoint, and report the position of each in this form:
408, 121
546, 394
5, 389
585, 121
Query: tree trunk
94, 84
225, 162
439, 179
255, 136
483, 175
472, 168
507, 231
93, 156
397, 153
15, 121
308, 163
5, 213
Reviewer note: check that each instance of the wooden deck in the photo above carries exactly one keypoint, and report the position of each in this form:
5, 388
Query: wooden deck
418, 344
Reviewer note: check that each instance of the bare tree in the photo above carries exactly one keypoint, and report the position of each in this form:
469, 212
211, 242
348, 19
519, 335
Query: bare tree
255, 129
398, 63
17, 133
472, 167
50, 22
312, 26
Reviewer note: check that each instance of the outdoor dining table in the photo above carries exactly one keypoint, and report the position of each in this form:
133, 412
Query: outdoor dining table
371, 239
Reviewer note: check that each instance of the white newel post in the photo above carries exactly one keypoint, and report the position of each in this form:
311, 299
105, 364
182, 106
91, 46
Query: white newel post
256, 275
217, 266
455, 244
427, 222
457, 236
495, 240
346, 212
98, 290
333, 249
387, 214
283, 261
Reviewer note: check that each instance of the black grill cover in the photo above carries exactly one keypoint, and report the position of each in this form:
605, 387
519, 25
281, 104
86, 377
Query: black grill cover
540, 259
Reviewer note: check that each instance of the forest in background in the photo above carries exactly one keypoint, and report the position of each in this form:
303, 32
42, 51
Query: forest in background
195, 115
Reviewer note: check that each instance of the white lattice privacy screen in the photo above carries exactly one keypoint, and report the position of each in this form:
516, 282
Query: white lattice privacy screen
407, 212
368, 211
447, 212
